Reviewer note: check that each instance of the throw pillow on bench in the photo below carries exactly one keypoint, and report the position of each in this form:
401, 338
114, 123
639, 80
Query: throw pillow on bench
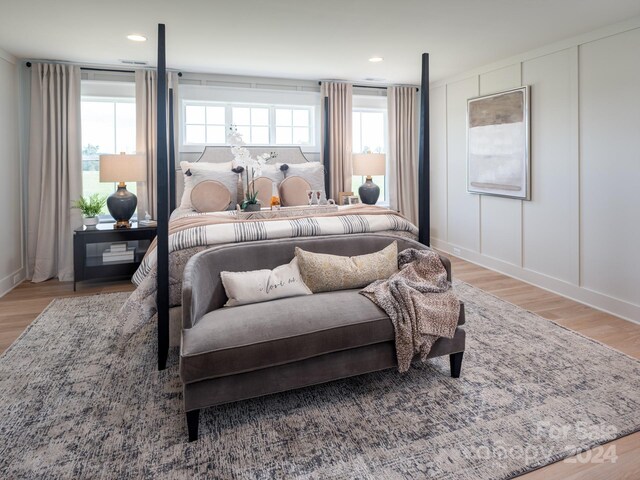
322, 272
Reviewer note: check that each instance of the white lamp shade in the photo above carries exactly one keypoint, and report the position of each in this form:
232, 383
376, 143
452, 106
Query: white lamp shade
369, 164
123, 168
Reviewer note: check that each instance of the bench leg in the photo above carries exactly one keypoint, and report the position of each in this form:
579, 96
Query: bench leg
455, 359
192, 424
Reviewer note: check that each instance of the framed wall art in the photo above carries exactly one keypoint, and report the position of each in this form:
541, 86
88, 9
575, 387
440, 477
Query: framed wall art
498, 144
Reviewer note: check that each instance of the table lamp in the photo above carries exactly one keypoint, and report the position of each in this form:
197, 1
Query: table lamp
369, 164
122, 168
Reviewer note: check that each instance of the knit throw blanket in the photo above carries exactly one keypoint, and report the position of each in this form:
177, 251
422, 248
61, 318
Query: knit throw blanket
420, 302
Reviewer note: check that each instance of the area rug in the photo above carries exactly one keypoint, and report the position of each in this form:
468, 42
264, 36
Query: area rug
531, 393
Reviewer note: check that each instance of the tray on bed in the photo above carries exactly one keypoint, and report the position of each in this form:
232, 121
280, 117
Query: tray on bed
285, 212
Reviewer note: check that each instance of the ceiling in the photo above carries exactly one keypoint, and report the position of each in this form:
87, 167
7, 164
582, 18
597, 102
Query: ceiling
321, 39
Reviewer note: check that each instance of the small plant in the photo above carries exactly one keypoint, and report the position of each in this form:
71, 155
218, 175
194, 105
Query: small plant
91, 206
251, 198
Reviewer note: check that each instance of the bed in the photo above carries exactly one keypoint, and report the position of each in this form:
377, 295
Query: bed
191, 232
157, 295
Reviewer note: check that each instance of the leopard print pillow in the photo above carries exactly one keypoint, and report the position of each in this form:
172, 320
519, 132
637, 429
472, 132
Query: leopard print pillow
325, 273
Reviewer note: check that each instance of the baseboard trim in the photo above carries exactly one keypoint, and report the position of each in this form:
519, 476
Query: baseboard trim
599, 301
7, 283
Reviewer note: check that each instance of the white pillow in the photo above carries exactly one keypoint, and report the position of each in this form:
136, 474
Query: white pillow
272, 172
312, 172
263, 285
200, 172
269, 171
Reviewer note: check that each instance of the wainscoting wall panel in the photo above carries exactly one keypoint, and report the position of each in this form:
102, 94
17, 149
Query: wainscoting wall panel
550, 219
463, 212
578, 235
610, 166
501, 218
11, 254
438, 162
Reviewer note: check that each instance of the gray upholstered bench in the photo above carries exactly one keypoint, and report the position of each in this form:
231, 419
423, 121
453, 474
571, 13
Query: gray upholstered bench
236, 353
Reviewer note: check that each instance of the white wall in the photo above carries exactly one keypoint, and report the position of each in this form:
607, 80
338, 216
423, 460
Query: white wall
580, 233
11, 234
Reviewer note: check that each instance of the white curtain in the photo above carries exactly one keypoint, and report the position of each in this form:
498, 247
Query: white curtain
54, 170
146, 118
172, 82
340, 134
402, 151
146, 138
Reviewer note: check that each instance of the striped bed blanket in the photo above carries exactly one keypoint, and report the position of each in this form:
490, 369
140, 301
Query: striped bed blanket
192, 233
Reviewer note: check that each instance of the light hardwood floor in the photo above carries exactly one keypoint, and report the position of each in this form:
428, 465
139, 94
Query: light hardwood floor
24, 303
21, 306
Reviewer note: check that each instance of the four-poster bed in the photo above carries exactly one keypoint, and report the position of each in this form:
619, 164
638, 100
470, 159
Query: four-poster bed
212, 243
166, 186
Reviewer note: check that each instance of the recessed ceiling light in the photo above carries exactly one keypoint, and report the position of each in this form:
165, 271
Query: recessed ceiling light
376, 59
137, 38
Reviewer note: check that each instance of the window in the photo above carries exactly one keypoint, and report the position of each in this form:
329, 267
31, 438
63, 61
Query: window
252, 123
108, 126
208, 123
369, 136
205, 124
292, 126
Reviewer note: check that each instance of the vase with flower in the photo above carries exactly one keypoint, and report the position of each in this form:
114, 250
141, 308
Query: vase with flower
252, 167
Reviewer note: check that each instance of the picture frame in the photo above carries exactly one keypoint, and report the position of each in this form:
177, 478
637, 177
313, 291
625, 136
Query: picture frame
353, 200
343, 198
498, 147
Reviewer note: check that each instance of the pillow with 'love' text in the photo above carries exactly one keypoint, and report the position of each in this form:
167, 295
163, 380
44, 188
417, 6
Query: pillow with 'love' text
257, 286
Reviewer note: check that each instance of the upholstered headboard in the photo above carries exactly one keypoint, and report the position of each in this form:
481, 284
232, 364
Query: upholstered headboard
222, 154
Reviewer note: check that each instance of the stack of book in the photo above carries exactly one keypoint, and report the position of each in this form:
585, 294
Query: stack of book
118, 252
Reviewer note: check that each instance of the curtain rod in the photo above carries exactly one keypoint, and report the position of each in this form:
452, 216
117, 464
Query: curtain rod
95, 69
91, 69
377, 87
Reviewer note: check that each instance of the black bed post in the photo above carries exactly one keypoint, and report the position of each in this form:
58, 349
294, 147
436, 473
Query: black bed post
172, 156
423, 157
162, 295
326, 153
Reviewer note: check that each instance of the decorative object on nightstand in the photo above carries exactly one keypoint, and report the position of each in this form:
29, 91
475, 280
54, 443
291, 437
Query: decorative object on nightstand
90, 207
118, 252
122, 168
147, 222
369, 164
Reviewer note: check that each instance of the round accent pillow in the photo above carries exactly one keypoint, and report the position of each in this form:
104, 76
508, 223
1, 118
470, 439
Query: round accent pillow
293, 191
210, 196
263, 187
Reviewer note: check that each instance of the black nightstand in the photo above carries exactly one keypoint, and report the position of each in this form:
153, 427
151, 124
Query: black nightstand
90, 244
